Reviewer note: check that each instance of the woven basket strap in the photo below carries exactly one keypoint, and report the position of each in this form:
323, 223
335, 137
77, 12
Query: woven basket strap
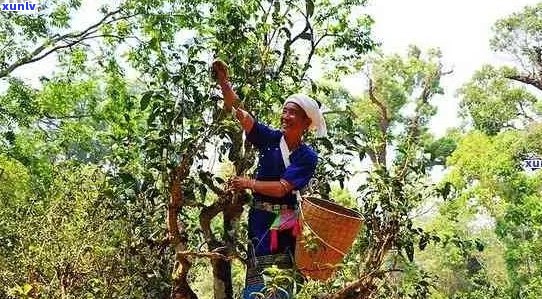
317, 236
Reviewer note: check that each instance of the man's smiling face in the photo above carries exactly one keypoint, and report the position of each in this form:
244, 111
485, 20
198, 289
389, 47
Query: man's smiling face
294, 119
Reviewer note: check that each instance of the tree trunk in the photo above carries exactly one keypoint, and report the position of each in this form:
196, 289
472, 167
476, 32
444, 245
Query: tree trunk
180, 289
222, 282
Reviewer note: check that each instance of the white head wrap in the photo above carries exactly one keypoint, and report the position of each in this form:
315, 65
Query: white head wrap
312, 110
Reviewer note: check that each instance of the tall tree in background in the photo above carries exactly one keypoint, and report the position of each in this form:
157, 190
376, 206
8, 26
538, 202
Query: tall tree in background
503, 103
388, 125
68, 232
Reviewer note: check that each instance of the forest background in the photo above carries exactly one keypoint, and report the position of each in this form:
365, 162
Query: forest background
112, 165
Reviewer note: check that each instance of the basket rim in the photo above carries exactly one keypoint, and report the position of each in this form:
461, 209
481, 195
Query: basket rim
309, 198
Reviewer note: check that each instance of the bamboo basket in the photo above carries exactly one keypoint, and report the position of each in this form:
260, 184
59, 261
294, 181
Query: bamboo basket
328, 233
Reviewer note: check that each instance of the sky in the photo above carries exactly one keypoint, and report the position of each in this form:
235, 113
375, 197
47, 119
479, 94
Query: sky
460, 28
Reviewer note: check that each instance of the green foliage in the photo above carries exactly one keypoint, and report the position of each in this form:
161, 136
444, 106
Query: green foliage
15, 181
89, 158
518, 34
14, 199
487, 169
387, 128
133, 133
494, 102
74, 242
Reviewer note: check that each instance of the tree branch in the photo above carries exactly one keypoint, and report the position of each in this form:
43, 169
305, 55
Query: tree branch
527, 80
351, 289
178, 175
524, 113
181, 288
287, 46
210, 255
206, 179
414, 128
47, 115
384, 123
70, 39
380, 105
206, 215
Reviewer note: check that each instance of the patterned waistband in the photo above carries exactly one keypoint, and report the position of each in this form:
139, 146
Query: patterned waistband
270, 207
281, 260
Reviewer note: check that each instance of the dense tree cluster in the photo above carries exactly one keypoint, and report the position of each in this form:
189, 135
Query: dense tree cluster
114, 168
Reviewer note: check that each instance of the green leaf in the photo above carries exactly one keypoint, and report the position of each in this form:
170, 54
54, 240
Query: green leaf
327, 144
409, 250
479, 245
26, 289
314, 86
154, 44
306, 35
309, 7
361, 154
10, 136
145, 100
424, 240
276, 5
286, 31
